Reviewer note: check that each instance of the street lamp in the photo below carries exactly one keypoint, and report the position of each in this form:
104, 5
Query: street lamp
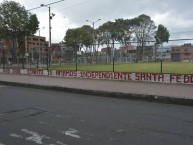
40, 29
93, 39
51, 15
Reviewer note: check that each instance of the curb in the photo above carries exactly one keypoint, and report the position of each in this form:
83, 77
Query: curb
119, 95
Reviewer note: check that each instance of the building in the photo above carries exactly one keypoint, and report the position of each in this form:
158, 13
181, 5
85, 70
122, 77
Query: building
183, 53
106, 51
26, 49
126, 53
145, 53
35, 46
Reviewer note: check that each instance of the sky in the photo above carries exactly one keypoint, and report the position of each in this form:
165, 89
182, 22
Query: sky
176, 15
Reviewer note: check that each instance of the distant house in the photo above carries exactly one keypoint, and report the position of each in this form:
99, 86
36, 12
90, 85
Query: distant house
106, 50
105, 56
127, 53
145, 53
183, 53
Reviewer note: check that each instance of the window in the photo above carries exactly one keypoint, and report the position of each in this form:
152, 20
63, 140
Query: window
35, 39
188, 50
42, 40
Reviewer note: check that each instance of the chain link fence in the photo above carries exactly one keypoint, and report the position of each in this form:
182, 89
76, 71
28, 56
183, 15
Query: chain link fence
131, 58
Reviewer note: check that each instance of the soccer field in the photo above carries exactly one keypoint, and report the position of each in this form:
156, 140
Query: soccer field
152, 67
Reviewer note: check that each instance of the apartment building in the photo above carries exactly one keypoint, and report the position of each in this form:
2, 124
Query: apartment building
183, 53
36, 44
22, 49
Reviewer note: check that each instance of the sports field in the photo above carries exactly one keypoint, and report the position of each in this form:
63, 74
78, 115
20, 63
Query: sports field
152, 67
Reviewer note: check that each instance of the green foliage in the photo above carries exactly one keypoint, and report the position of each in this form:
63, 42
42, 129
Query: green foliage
143, 28
107, 33
32, 25
79, 36
123, 31
162, 34
16, 20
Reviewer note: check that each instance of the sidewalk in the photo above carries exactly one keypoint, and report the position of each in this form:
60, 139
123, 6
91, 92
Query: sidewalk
156, 92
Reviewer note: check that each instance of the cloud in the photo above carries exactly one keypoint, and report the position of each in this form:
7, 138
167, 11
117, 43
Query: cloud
174, 14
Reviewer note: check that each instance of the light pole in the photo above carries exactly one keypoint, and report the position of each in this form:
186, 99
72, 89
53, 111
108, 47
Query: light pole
40, 29
161, 57
51, 15
93, 39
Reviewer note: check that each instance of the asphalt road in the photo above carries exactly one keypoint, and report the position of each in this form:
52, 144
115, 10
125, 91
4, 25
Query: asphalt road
32, 117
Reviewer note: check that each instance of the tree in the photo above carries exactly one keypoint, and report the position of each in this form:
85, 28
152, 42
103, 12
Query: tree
13, 16
32, 25
15, 23
71, 37
107, 33
79, 36
144, 30
162, 34
86, 36
123, 31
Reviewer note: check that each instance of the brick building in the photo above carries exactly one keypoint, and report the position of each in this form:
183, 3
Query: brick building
35, 44
22, 49
182, 53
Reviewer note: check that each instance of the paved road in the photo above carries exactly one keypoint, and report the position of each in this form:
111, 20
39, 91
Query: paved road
32, 116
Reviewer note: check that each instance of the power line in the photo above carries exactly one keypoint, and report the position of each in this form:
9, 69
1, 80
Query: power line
78, 4
45, 5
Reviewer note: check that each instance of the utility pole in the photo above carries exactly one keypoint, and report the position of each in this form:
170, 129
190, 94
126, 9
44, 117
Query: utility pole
161, 54
161, 57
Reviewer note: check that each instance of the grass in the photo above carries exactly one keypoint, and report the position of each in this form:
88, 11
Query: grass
150, 67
